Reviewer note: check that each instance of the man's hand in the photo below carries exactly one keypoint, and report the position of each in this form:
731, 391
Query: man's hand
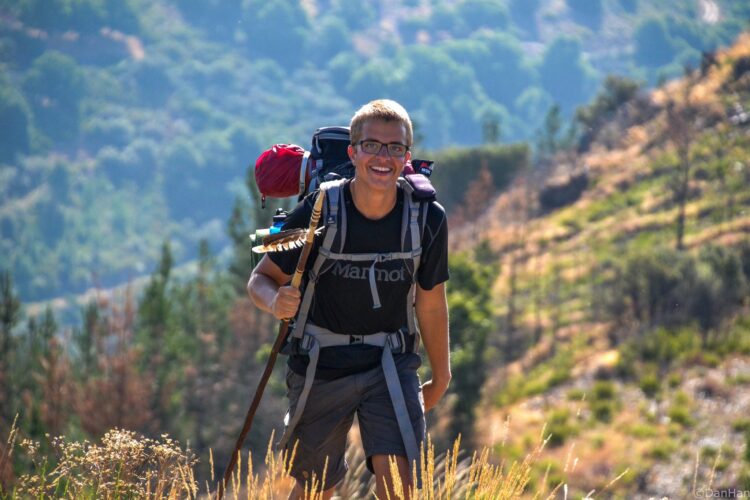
432, 391
286, 302
269, 291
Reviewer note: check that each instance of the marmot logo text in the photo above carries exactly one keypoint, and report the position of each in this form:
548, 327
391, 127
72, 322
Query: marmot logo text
352, 272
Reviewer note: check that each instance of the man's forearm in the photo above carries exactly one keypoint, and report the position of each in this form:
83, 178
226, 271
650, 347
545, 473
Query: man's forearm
262, 291
432, 314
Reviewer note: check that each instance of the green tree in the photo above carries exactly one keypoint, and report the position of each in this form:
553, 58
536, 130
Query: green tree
564, 73
238, 229
330, 34
476, 14
85, 339
532, 105
587, 12
548, 137
155, 332
217, 17
615, 93
502, 71
276, 29
10, 311
153, 83
654, 46
629, 6
471, 319
54, 86
15, 122
38, 358
523, 14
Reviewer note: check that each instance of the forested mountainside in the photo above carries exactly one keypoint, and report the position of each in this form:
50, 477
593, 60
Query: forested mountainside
620, 313
604, 292
129, 123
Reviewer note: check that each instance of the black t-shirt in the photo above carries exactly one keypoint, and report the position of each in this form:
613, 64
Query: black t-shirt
343, 302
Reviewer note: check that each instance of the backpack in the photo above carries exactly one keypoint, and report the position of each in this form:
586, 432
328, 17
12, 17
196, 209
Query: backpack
286, 170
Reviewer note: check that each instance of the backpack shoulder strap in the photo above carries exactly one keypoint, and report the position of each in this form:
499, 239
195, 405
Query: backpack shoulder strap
415, 225
333, 192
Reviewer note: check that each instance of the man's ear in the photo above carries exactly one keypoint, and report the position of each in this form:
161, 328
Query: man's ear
350, 151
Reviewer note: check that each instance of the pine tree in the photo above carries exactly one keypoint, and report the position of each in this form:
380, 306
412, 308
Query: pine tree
155, 324
10, 311
238, 229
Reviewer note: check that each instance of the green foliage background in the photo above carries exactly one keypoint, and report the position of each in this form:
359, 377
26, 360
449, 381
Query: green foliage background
129, 122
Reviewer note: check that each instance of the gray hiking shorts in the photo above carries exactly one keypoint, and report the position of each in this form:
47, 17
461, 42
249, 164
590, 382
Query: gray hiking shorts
328, 415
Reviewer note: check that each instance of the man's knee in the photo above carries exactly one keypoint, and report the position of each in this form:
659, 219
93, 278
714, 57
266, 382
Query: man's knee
298, 493
381, 465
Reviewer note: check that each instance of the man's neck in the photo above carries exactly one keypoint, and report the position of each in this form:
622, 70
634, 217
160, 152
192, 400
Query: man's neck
373, 205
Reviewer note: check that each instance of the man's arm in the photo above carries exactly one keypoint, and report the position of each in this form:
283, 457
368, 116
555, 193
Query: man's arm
268, 291
432, 314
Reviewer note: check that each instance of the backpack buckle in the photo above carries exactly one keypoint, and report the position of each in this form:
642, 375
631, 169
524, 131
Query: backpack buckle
305, 344
356, 339
396, 342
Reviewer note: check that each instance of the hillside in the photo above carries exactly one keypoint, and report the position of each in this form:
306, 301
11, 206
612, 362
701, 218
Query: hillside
134, 122
631, 343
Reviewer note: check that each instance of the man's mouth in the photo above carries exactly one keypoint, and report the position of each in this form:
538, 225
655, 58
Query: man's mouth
380, 170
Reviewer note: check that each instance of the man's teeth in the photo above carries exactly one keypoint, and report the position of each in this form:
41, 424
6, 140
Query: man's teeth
381, 169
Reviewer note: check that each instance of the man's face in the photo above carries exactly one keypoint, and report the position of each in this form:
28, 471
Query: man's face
379, 172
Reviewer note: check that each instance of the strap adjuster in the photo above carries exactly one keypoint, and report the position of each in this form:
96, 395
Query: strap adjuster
356, 339
395, 341
382, 257
306, 343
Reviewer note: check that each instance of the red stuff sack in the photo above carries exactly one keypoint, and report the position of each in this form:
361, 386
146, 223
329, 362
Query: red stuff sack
278, 171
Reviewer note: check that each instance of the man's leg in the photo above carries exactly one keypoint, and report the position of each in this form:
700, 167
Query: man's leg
320, 436
384, 479
379, 428
298, 493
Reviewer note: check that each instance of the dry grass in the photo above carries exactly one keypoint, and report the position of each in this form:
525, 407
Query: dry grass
124, 465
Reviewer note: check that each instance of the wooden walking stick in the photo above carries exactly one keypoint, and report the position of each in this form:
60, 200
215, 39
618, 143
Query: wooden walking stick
309, 236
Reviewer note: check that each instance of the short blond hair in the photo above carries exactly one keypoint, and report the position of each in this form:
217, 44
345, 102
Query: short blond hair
381, 109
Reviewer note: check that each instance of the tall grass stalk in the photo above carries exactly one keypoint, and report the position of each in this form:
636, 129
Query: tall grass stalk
124, 465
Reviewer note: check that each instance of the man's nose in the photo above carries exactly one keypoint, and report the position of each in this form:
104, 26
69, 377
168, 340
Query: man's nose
384, 151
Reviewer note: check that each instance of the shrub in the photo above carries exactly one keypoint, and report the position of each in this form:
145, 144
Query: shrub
650, 384
603, 390
744, 479
458, 167
559, 428
641, 430
615, 92
741, 425
680, 415
663, 450
603, 410
575, 394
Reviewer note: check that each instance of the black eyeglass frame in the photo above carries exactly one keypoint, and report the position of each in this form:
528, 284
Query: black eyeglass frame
387, 148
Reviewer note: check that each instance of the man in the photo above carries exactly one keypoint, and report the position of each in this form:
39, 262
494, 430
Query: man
360, 311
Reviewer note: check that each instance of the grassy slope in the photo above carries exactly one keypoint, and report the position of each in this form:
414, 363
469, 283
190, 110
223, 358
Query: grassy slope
700, 403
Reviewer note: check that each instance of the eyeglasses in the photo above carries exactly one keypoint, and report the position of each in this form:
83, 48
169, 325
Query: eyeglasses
395, 149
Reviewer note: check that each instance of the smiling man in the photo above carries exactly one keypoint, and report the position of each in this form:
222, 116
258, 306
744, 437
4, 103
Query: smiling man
375, 286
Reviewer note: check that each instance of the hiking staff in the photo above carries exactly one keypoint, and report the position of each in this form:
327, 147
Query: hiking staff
280, 339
